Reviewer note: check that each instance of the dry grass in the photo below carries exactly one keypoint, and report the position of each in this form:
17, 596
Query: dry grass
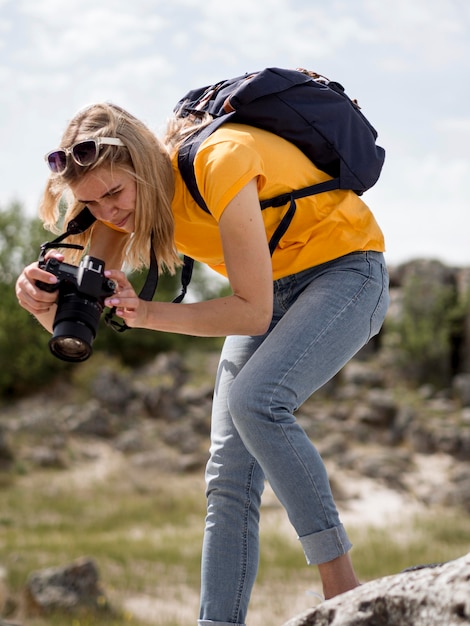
144, 528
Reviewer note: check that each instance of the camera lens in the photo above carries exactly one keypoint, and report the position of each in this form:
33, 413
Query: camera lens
70, 347
75, 326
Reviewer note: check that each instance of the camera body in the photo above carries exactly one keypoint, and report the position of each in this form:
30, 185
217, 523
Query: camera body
82, 291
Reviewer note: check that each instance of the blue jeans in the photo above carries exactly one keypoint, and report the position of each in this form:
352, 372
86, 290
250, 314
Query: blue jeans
322, 317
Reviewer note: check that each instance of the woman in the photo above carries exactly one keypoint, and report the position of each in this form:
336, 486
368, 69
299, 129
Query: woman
291, 323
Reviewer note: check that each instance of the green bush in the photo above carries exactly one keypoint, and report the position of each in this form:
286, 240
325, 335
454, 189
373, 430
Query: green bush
431, 317
24, 359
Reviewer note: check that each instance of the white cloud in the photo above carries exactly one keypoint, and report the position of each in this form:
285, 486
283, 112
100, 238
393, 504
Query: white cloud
427, 32
460, 125
276, 28
421, 204
84, 31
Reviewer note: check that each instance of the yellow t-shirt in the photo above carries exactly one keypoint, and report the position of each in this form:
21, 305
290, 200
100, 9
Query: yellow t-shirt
324, 227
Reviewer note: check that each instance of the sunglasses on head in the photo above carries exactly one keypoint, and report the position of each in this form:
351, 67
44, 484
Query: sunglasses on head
83, 153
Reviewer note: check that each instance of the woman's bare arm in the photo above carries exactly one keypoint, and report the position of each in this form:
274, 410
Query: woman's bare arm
247, 311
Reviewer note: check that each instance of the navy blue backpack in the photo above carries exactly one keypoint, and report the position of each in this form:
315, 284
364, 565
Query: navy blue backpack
303, 107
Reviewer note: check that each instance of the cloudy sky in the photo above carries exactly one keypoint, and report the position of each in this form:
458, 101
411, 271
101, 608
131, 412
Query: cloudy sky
407, 63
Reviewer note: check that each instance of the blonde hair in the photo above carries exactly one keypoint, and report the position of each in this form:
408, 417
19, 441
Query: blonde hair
145, 158
180, 127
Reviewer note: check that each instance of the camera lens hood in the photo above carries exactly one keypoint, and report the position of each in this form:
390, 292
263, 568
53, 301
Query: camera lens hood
72, 342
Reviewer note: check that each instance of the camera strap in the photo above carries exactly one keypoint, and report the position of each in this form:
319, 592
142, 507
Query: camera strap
82, 222
146, 293
79, 224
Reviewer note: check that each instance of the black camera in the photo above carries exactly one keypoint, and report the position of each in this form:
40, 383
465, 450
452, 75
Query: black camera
82, 291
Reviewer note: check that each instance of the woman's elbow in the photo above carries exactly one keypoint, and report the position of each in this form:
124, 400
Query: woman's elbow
260, 322
256, 315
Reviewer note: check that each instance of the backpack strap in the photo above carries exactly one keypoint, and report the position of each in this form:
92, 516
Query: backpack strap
187, 154
146, 293
291, 197
150, 286
186, 157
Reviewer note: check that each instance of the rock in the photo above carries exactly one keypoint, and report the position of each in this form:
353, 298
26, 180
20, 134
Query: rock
361, 373
436, 595
461, 388
93, 419
441, 435
130, 441
387, 466
4, 592
383, 408
69, 588
47, 456
457, 493
6, 453
334, 445
112, 389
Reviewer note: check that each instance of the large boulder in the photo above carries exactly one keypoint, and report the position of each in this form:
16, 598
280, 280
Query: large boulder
434, 595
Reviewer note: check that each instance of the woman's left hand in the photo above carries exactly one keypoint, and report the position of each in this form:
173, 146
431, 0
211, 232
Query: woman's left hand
129, 306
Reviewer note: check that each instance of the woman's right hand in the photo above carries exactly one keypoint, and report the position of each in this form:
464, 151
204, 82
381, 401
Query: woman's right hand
35, 300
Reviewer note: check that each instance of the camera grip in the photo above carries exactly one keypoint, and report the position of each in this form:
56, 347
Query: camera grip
46, 286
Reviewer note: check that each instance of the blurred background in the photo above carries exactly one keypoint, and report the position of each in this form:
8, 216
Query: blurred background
106, 458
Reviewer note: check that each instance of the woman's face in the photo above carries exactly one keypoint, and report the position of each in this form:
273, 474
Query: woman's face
110, 194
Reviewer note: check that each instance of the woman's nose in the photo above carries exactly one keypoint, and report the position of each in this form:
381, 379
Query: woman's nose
107, 208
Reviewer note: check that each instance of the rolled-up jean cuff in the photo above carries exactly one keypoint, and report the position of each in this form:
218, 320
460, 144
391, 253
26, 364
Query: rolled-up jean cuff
325, 545
205, 622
